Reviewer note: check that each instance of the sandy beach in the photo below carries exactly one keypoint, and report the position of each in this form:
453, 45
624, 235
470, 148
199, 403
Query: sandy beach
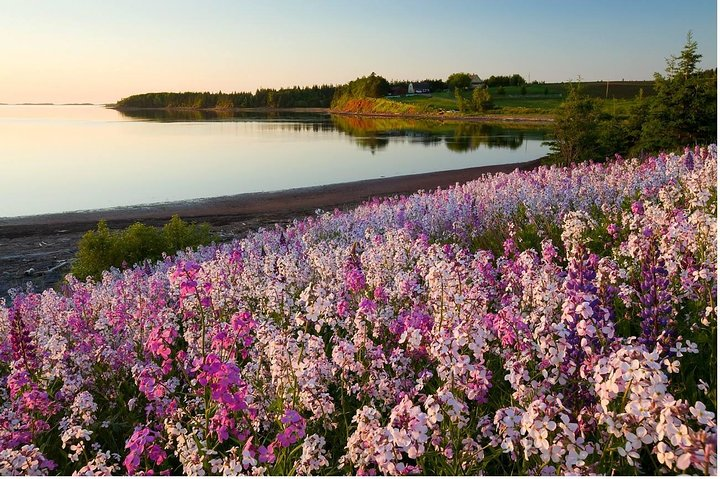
40, 248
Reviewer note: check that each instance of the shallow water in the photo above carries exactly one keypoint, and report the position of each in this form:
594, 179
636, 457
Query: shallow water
68, 158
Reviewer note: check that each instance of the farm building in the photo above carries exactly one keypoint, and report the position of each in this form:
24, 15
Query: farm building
421, 87
475, 81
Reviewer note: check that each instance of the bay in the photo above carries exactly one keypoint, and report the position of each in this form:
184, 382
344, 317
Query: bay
69, 158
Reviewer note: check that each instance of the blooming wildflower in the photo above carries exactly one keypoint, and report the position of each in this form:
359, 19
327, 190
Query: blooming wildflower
313, 456
701, 414
702, 386
294, 428
234, 358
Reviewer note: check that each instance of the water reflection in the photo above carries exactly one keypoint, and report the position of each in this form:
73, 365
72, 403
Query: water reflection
107, 159
457, 136
170, 116
372, 134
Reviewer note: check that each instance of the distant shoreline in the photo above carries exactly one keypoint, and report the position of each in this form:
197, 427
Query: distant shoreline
328, 111
260, 109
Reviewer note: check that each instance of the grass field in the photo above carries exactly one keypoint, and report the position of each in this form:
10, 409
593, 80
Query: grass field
538, 99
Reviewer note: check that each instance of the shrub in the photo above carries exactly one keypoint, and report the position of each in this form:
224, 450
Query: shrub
101, 249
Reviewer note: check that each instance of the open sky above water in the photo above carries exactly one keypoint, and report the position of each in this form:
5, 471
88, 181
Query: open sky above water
89, 51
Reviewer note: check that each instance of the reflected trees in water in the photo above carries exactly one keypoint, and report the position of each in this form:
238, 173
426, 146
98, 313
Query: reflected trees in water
372, 134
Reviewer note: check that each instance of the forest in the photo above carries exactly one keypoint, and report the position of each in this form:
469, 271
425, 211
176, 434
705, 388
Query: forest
295, 97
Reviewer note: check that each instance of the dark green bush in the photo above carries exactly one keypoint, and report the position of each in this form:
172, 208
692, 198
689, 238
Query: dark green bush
101, 249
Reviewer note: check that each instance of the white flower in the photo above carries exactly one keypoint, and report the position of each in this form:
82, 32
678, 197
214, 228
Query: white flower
703, 386
683, 461
664, 454
701, 414
672, 366
584, 310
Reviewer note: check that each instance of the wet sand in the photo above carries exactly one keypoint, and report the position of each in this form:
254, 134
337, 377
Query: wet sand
40, 248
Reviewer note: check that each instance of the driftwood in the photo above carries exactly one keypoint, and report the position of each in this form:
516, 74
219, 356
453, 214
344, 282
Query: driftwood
57, 266
33, 272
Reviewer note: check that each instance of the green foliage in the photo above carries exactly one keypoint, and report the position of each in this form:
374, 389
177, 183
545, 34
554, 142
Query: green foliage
459, 80
462, 104
372, 86
481, 100
682, 112
685, 107
436, 86
575, 130
505, 80
296, 97
101, 249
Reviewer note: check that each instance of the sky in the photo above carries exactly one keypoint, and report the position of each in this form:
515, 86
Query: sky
65, 51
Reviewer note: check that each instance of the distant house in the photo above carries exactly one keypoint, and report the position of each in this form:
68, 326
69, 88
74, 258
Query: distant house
475, 81
420, 87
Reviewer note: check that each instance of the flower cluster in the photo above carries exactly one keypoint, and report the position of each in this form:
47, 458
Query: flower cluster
555, 321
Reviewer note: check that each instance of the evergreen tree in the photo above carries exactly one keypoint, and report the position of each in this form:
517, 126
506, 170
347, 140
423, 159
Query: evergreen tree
684, 110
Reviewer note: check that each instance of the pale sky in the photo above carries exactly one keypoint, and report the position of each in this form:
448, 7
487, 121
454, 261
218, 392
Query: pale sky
100, 51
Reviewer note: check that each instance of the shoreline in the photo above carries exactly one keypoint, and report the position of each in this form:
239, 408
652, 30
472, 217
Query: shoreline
417, 116
219, 210
40, 248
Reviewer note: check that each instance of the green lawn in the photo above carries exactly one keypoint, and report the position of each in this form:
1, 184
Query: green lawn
435, 101
538, 99
506, 104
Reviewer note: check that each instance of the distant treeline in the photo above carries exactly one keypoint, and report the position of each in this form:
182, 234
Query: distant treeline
372, 86
296, 97
505, 80
433, 85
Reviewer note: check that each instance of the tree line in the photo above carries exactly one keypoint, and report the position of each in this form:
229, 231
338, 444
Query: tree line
296, 97
317, 96
682, 112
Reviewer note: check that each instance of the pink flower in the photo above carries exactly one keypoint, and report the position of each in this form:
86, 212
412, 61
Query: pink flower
637, 208
141, 443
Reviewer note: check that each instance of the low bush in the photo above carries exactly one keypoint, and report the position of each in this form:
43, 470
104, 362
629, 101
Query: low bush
101, 249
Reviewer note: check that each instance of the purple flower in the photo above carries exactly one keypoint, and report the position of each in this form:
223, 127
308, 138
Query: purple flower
637, 208
141, 444
294, 428
612, 230
656, 312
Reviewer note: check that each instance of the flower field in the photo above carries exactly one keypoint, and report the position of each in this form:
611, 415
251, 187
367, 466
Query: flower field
561, 320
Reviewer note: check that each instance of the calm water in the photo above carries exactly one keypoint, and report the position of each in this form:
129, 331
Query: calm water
67, 158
